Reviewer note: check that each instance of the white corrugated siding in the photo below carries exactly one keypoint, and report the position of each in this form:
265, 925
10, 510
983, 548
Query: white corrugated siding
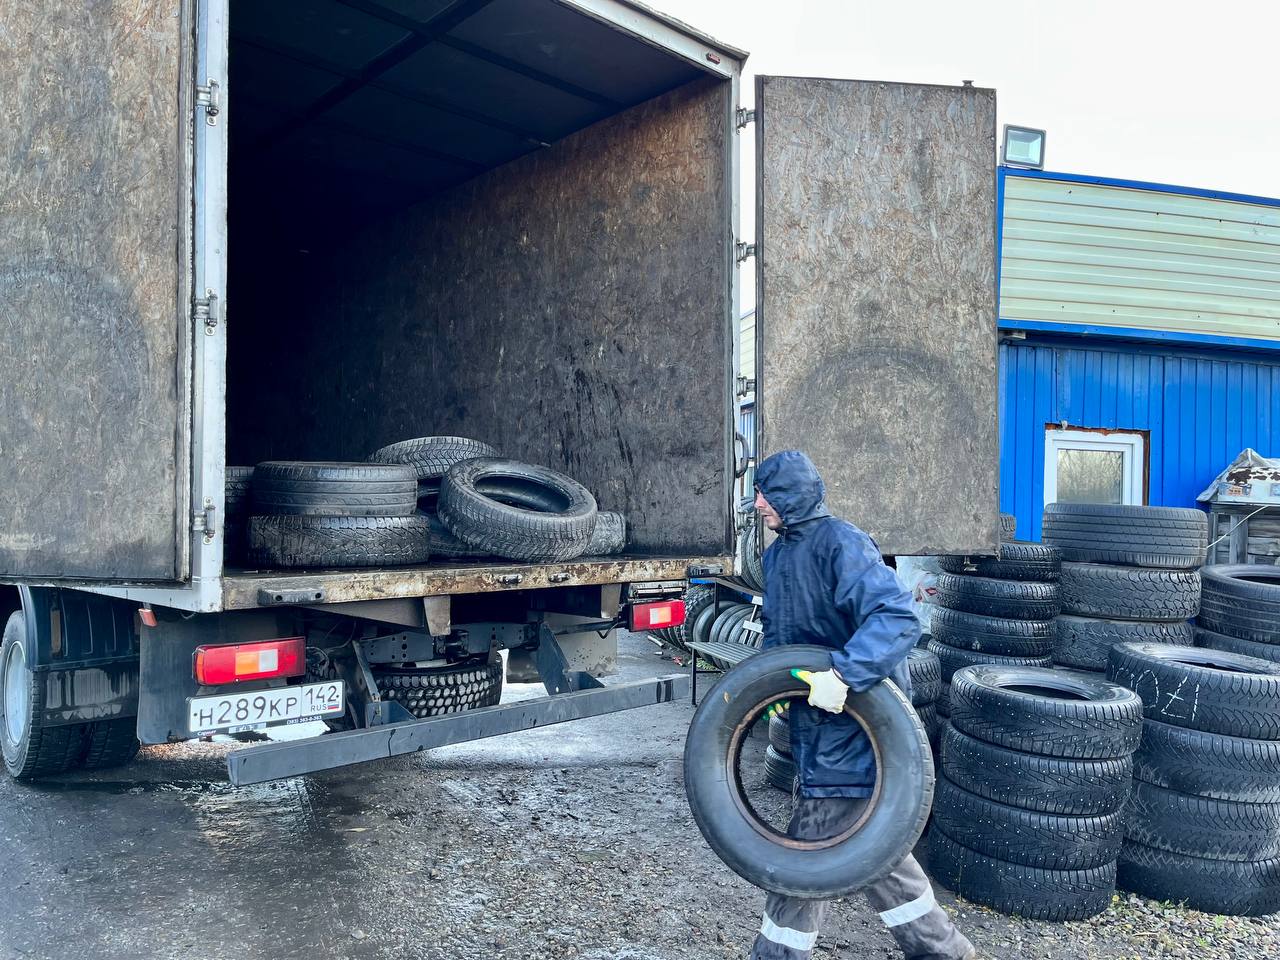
1114, 256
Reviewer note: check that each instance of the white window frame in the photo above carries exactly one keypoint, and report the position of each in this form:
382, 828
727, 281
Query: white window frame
1133, 447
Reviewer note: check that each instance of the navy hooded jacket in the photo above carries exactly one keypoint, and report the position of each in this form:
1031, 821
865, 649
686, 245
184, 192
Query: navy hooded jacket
825, 584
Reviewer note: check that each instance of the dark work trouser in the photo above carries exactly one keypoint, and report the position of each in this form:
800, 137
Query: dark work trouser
904, 899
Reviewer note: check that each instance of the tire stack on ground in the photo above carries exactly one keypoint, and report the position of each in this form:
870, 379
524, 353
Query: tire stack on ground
1203, 824
1240, 610
995, 610
1128, 576
1029, 806
779, 765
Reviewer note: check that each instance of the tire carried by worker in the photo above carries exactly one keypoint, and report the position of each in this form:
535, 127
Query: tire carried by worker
820, 869
1028, 817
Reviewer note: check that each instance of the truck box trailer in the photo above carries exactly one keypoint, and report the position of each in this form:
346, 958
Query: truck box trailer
234, 232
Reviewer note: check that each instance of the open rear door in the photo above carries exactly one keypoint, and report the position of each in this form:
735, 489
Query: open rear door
95, 261
876, 322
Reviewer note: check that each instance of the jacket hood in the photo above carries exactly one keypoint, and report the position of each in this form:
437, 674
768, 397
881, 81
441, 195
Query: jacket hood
790, 482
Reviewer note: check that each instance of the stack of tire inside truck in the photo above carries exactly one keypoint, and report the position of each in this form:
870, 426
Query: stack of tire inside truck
1129, 575
450, 498
926, 686
1204, 823
995, 610
1029, 804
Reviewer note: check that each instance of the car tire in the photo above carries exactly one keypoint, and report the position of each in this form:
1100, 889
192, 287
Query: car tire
1008, 526
995, 635
1129, 593
1052, 713
443, 545
472, 506
779, 769
31, 748
1201, 826
953, 659
437, 691
1085, 643
1049, 841
925, 670
237, 509
293, 542
1016, 889
1206, 690
1242, 600
110, 743
333, 489
609, 536
780, 733
696, 599
1014, 599
1208, 764
431, 458
1212, 640
700, 632
1135, 536
1017, 560
1227, 887
1073, 788
824, 869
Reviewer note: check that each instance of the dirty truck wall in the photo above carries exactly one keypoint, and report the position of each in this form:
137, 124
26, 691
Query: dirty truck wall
94, 220
571, 307
877, 302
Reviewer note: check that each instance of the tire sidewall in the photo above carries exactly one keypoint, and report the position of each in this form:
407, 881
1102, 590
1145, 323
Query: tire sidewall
12, 648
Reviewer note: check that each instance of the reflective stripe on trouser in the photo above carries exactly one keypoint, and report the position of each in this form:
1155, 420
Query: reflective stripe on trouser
904, 899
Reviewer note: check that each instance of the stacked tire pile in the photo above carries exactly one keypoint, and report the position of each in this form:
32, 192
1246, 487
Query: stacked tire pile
995, 611
1240, 610
1028, 813
926, 685
1128, 576
448, 497
1203, 824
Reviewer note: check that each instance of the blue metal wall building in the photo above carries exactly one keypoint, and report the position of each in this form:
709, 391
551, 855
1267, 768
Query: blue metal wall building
1135, 307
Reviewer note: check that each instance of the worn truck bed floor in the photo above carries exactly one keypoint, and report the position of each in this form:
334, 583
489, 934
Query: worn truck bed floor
243, 589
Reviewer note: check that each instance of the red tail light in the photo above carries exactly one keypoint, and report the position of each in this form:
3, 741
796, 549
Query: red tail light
250, 661
651, 616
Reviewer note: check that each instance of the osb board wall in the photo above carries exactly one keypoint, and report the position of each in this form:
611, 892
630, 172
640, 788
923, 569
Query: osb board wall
877, 327
94, 226
571, 308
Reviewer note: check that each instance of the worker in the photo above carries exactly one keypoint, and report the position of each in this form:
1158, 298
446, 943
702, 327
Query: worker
826, 584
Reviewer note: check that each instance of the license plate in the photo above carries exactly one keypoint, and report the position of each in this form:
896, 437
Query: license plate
259, 709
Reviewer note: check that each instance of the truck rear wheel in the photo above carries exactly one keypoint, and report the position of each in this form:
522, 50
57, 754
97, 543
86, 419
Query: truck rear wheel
31, 749
110, 743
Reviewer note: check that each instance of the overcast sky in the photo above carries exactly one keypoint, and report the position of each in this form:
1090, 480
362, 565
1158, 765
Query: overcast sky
1175, 91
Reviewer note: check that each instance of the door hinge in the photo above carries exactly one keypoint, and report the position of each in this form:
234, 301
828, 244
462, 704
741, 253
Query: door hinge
202, 521
205, 310
207, 99
744, 250
745, 116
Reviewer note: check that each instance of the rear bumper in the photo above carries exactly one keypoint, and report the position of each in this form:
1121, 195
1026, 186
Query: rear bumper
272, 761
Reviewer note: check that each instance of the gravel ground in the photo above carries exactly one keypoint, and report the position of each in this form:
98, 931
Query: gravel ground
565, 842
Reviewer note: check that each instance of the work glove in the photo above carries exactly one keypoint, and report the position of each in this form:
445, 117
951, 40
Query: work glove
826, 690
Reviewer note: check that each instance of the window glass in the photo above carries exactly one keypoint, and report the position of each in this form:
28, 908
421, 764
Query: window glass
1090, 476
